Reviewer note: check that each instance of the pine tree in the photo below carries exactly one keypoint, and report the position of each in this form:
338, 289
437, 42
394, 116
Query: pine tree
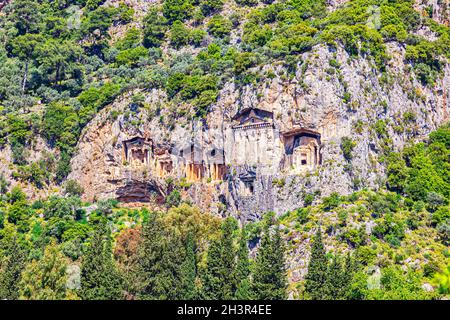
269, 279
12, 268
219, 280
99, 277
316, 278
243, 290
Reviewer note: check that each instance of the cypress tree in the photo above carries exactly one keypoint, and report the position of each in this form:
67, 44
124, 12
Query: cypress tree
99, 277
335, 280
150, 252
168, 271
12, 268
349, 271
316, 278
243, 290
219, 280
189, 269
269, 279
162, 265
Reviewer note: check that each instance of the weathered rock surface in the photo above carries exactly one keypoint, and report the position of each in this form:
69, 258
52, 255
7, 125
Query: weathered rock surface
343, 101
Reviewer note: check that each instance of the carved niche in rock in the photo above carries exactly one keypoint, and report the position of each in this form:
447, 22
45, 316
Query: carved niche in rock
217, 169
163, 162
254, 137
302, 149
137, 151
193, 164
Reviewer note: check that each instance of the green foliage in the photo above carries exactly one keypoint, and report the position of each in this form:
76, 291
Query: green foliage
131, 40
331, 201
164, 266
243, 289
316, 278
269, 277
12, 266
209, 7
200, 90
197, 36
175, 10
246, 2
393, 284
46, 279
219, 278
302, 215
131, 57
421, 171
219, 27
173, 199
442, 280
99, 277
179, 34
73, 188
347, 146
358, 39
155, 26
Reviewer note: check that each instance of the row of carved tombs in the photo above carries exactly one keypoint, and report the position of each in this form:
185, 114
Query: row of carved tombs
139, 152
301, 150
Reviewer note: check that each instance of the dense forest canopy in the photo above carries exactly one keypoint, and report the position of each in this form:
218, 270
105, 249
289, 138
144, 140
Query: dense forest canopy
62, 61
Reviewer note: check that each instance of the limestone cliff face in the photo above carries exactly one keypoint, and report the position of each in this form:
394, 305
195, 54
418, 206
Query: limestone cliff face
250, 167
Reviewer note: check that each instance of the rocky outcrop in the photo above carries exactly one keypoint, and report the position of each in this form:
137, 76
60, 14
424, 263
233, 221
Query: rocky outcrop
332, 94
438, 10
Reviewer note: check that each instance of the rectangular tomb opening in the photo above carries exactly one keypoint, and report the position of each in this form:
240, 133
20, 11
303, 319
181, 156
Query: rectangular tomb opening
137, 151
194, 172
301, 149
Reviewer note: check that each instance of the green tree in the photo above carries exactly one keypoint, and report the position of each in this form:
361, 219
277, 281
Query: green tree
11, 269
243, 290
347, 146
170, 281
163, 267
316, 278
269, 277
24, 47
179, 34
25, 16
219, 27
175, 10
45, 279
99, 277
58, 60
335, 282
189, 269
155, 26
211, 6
219, 280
